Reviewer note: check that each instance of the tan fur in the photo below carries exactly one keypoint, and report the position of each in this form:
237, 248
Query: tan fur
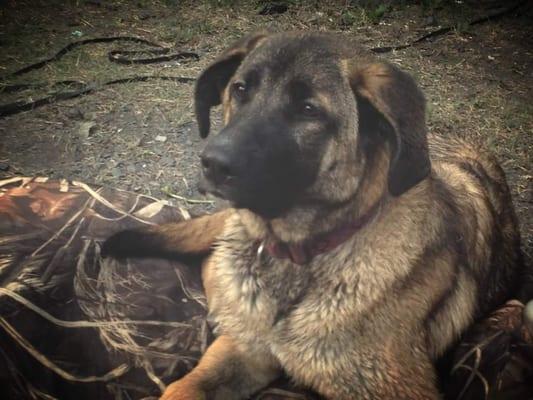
196, 235
352, 319
212, 372
357, 333
226, 103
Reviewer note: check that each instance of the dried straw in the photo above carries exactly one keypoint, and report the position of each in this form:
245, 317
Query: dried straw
84, 324
113, 374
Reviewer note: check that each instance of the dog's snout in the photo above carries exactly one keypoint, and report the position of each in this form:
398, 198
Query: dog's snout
217, 165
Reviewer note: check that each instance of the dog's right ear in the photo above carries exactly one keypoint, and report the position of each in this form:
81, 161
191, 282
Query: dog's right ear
396, 96
212, 82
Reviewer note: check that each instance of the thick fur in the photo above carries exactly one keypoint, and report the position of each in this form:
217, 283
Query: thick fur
368, 319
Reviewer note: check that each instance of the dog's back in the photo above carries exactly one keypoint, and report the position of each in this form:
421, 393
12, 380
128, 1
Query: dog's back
474, 185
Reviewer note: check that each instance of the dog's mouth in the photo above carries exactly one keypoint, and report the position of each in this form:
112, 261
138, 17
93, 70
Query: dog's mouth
260, 202
224, 191
267, 180
206, 187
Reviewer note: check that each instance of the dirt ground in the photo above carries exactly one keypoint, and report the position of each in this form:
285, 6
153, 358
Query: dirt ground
142, 136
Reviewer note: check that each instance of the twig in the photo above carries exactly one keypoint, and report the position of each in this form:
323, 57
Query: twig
106, 203
281, 392
65, 226
474, 371
187, 200
481, 378
485, 342
83, 324
153, 377
15, 179
130, 211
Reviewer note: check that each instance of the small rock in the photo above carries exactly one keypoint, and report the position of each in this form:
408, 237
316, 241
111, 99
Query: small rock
75, 113
528, 316
273, 8
86, 129
430, 21
161, 138
112, 7
168, 161
4, 166
145, 14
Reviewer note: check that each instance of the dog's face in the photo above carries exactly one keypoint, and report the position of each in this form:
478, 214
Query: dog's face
303, 113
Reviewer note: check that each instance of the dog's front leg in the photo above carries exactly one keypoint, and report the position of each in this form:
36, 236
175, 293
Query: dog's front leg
227, 371
172, 240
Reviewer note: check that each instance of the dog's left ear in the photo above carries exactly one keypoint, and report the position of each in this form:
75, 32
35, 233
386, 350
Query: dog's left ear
213, 80
395, 95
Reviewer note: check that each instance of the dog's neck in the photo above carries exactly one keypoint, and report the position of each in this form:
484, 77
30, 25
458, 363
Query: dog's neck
306, 222
303, 252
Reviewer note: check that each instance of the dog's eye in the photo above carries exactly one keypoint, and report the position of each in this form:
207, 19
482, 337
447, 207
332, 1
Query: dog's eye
239, 90
309, 110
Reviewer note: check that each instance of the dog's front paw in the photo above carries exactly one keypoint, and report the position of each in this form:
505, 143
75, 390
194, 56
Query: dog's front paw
183, 390
123, 244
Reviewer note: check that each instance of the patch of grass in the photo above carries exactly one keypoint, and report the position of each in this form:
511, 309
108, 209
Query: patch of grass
453, 71
363, 15
432, 5
224, 3
375, 15
188, 32
351, 17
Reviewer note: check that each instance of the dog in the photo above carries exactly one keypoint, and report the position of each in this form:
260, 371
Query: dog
357, 249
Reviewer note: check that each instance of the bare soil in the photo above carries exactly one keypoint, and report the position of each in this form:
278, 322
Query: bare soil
142, 136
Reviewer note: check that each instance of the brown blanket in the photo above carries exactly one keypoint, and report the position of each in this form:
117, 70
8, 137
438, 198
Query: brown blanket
74, 327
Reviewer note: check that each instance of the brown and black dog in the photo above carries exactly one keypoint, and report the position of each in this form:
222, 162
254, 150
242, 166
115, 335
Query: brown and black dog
357, 250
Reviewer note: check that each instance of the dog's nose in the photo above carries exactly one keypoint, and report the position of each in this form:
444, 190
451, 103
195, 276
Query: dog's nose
216, 165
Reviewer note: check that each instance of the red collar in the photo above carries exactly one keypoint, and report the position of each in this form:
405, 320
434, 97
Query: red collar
303, 252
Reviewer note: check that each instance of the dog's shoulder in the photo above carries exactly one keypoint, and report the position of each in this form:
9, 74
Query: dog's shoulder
472, 173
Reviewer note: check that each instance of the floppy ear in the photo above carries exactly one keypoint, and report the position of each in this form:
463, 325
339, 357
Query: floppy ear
395, 95
213, 80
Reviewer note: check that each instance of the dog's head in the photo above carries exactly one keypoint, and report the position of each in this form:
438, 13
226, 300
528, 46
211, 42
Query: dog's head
303, 114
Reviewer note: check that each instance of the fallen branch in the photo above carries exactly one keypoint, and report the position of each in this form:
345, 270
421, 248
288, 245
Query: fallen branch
442, 31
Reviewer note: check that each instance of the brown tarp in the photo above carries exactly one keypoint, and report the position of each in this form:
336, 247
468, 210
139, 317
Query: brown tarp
75, 327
